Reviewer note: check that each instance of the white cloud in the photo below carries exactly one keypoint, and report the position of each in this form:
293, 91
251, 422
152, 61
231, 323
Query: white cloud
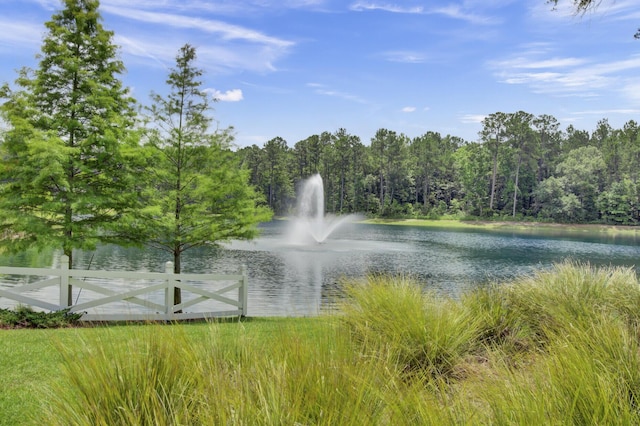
386, 7
409, 109
521, 62
338, 94
632, 91
49, 4
321, 89
404, 56
546, 73
21, 34
162, 54
457, 12
220, 7
472, 118
233, 95
226, 31
606, 112
452, 11
232, 48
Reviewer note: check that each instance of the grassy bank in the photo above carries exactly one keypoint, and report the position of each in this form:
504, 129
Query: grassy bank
511, 226
559, 347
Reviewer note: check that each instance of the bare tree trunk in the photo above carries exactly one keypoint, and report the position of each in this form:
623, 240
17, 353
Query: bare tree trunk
494, 175
515, 190
177, 291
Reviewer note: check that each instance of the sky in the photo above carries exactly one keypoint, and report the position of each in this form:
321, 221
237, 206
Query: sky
295, 68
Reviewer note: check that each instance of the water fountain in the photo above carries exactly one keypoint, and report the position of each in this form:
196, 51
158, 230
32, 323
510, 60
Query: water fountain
311, 225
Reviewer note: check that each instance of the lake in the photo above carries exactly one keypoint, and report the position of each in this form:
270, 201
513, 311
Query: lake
297, 280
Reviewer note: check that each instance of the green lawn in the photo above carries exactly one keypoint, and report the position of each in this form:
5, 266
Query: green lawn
510, 226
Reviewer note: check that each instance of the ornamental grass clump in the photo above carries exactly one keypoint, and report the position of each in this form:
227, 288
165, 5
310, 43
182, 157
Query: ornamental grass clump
590, 376
421, 332
499, 326
595, 373
293, 378
569, 296
147, 379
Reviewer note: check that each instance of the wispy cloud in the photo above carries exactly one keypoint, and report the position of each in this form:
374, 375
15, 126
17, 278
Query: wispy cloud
546, 73
458, 12
162, 54
233, 48
404, 56
48, 4
321, 89
16, 34
409, 109
526, 63
453, 11
632, 91
606, 112
226, 31
219, 7
386, 7
472, 118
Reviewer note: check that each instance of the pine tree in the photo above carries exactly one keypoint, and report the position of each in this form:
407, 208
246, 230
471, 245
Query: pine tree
65, 176
199, 195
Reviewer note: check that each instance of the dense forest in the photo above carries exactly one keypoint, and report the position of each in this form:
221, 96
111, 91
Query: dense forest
521, 167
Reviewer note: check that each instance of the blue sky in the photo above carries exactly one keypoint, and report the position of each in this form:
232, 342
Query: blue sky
294, 68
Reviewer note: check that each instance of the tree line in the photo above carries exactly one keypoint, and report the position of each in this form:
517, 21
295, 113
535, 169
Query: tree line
522, 166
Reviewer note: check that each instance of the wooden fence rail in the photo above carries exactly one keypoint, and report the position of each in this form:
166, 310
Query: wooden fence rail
195, 288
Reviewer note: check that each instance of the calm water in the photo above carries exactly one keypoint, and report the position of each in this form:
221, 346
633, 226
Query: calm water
301, 280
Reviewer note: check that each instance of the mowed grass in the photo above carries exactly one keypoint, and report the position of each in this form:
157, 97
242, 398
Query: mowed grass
538, 228
558, 347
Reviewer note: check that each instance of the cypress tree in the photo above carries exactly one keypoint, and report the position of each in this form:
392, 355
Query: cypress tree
66, 157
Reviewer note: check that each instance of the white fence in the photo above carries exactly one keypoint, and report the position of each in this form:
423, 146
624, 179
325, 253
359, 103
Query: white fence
140, 295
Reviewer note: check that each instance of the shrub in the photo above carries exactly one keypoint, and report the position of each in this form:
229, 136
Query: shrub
25, 317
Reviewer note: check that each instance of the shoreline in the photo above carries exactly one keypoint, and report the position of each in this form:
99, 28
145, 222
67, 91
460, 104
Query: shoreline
510, 226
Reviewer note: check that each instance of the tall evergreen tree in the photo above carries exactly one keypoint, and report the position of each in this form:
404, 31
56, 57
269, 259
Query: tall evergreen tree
65, 170
277, 180
199, 194
520, 134
492, 134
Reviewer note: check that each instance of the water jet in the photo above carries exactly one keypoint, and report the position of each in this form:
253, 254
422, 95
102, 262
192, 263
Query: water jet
311, 225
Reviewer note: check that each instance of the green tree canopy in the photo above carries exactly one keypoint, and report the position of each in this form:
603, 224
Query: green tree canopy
66, 170
198, 193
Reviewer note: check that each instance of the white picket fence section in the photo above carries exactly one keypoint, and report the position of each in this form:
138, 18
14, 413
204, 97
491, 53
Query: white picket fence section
195, 289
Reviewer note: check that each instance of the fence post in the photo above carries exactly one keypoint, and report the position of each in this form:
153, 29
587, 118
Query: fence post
169, 291
242, 296
66, 297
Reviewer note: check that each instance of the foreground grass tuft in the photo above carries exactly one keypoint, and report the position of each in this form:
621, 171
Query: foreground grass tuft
147, 379
558, 347
419, 332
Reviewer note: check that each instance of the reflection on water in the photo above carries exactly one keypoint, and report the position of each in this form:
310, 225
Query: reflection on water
301, 280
